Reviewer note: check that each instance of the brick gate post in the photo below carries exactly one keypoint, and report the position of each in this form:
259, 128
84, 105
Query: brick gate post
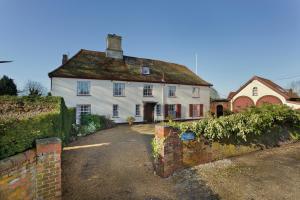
170, 151
48, 171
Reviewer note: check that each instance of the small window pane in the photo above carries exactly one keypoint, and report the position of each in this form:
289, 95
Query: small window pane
115, 110
158, 109
172, 110
137, 109
196, 110
196, 92
172, 91
81, 110
147, 90
119, 89
254, 91
83, 88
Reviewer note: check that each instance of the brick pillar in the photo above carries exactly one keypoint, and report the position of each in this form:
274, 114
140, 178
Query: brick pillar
170, 151
48, 172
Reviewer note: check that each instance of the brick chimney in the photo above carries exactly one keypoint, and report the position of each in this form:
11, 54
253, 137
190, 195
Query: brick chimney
64, 58
114, 46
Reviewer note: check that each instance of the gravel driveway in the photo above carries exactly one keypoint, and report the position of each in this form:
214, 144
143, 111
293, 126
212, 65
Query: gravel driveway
113, 164
116, 164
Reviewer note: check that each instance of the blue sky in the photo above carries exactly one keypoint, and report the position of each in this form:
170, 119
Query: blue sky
234, 40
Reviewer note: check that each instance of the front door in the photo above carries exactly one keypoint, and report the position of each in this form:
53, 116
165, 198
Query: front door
149, 112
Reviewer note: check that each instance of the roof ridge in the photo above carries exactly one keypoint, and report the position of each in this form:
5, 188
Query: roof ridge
152, 59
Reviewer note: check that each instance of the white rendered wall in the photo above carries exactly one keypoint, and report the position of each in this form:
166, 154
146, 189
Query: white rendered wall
102, 99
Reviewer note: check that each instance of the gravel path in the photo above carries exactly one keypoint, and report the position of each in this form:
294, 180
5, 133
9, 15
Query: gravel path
113, 164
116, 164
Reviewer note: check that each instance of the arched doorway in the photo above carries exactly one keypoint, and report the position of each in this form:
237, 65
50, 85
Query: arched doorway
241, 103
219, 110
268, 99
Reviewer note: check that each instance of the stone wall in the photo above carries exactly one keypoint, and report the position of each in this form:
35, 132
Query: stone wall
33, 174
175, 154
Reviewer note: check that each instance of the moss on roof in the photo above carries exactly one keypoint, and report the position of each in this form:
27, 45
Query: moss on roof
88, 64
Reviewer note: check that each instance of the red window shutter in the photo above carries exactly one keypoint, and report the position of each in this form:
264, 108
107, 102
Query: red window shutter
178, 110
201, 110
191, 110
166, 110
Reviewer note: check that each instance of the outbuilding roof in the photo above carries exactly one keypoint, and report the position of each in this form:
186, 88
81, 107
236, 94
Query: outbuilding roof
87, 64
287, 94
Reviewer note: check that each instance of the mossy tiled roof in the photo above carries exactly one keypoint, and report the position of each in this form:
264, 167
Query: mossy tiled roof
88, 64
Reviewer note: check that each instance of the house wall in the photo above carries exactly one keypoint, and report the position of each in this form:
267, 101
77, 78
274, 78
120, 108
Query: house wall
262, 91
102, 99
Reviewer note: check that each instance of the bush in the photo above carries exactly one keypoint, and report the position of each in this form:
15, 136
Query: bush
243, 127
130, 120
26, 119
90, 123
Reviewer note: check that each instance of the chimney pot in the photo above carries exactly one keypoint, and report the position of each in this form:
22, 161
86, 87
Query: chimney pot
64, 58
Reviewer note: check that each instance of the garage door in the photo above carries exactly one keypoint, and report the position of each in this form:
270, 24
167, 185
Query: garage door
241, 103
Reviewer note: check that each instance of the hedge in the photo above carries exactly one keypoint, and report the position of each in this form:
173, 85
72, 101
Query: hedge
28, 119
244, 127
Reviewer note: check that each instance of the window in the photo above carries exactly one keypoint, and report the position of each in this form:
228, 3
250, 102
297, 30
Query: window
145, 70
115, 110
119, 89
83, 88
81, 110
158, 110
196, 110
254, 91
172, 110
172, 91
147, 92
196, 92
137, 110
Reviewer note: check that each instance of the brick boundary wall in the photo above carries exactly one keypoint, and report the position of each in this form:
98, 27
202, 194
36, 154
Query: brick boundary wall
175, 154
33, 174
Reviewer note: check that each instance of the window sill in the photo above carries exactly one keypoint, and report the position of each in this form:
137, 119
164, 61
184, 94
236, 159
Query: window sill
172, 96
118, 96
148, 96
84, 95
137, 115
115, 117
196, 97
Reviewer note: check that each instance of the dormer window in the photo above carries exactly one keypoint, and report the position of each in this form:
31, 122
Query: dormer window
145, 71
254, 91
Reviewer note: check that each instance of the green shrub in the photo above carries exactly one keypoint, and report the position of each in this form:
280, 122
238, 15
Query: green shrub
90, 123
243, 127
130, 120
29, 119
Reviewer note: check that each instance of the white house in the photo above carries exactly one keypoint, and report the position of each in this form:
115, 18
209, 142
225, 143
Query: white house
117, 86
258, 91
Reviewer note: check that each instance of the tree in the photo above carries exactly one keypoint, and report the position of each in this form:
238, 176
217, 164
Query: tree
33, 88
7, 86
214, 94
295, 86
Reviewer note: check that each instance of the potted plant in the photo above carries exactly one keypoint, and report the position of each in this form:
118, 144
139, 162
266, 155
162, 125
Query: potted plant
130, 120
